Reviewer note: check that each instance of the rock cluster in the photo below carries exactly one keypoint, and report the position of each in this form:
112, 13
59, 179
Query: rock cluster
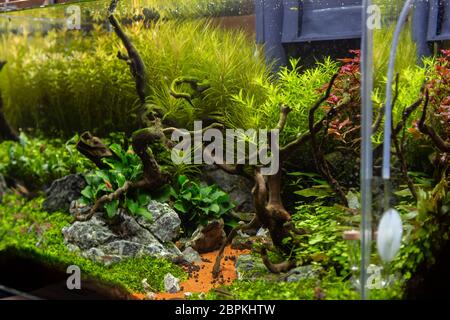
100, 240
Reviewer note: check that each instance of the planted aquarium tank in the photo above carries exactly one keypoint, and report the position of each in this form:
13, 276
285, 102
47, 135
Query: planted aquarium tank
224, 150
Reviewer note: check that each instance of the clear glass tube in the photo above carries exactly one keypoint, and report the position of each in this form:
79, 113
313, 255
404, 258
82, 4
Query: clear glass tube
366, 148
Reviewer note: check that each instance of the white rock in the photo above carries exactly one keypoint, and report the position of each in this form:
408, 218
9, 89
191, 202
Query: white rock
150, 296
171, 283
262, 233
146, 286
190, 255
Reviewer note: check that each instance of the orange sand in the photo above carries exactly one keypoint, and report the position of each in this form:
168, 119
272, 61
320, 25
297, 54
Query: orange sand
202, 280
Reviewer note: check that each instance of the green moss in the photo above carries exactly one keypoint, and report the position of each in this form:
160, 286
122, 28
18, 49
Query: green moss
330, 287
33, 233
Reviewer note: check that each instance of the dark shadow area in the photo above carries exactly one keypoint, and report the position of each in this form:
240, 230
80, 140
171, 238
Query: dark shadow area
432, 282
38, 280
311, 52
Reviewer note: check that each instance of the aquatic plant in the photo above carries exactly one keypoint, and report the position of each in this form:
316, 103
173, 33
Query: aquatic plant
6, 131
270, 211
64, 90
406, 57
94, 11
37, 162
425, 239
294, 86
198, 204
74, 81
124, 167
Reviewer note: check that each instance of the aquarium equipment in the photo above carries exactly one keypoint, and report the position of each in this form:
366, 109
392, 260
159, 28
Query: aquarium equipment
366, 149
282, 22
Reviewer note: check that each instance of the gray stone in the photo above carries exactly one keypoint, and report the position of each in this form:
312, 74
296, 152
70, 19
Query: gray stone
239, 188
77, 208
98, 242
88, 234
63, 191
123, 248
132, 230
157, 249
97, 255
191, 256
208, 238
72, 247
175, 253
3, 187
166, 223
250, 267
302, 273
171, 283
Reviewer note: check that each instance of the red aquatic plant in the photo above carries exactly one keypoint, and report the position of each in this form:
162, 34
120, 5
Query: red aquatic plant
345, 96
438, 88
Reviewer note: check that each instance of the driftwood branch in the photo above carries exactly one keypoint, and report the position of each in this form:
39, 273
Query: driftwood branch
319, 158
288, 150
116, 195
198, 87
94, 149
270, 212
276, 267
405, 116
284, 112
399, 145
409, 111
141, 141
133, 59
440, 143
233, 233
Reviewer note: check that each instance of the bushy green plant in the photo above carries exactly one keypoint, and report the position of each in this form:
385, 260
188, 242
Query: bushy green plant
126, 168
427, 229
36, 162
323, 242
198, 203
406, 53
295, 87
310, 186
74, 81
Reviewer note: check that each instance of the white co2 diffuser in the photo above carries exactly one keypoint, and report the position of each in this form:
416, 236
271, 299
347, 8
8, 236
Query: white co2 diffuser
389, 236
